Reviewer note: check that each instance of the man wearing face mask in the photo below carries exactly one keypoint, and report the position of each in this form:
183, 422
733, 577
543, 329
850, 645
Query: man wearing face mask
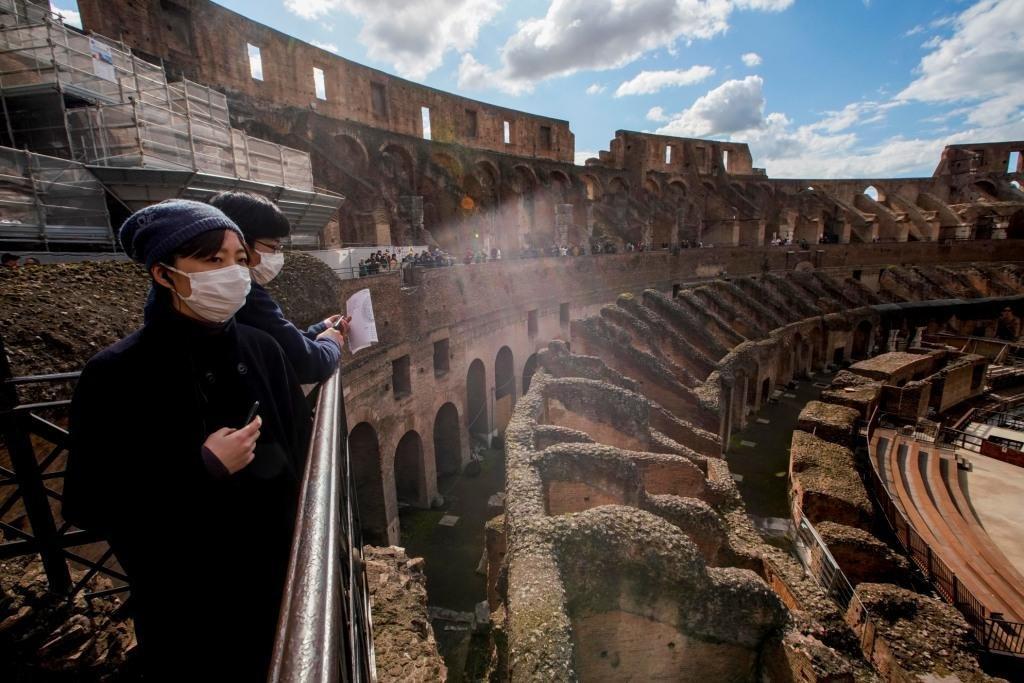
314, 353
188, 443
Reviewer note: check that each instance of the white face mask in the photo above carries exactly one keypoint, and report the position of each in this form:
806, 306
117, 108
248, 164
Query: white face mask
216, 294
269, 266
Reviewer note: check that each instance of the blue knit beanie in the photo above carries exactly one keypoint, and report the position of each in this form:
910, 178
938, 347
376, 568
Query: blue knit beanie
152, 234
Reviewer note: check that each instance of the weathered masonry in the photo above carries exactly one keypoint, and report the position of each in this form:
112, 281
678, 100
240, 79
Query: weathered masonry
490, 177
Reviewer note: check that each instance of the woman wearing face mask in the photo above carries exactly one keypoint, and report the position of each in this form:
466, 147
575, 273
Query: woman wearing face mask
314, 353
196, 498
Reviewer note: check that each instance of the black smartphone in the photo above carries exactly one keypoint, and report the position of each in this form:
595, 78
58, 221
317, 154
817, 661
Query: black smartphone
252, 413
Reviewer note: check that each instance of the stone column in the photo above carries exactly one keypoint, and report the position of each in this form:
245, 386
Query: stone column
410, 218
999, 228
563, 221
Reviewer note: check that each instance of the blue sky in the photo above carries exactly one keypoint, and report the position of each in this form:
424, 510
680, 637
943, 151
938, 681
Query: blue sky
818, 88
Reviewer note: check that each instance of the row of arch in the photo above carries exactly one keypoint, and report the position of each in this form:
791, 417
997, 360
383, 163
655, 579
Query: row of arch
756, 378
411, 477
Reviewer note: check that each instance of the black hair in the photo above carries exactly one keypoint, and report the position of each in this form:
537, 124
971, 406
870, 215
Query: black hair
7, 258
203, 245
257, 216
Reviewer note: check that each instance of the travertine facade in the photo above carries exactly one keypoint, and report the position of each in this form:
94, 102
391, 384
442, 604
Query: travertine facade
491, 177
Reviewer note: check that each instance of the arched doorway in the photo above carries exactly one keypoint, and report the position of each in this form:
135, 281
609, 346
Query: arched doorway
1015, 229
447, 440
409, 481
862, 340
364, 453
476, 399
504, 388
528, 370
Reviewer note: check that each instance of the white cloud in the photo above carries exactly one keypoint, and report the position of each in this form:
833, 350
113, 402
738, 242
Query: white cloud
751, 59
980, 62
733, 106
656, 114
647, 82
330, 47
70, 16
576, 35
595, 89
854, 114
411, 35
581, 157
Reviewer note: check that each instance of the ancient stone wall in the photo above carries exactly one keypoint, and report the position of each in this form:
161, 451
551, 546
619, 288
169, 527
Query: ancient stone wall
581, 449
208, 43
467, 188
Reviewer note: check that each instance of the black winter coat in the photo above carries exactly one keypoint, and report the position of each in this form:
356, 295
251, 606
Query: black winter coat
206, 557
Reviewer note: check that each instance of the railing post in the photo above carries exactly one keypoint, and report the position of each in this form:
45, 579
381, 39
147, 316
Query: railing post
30, 483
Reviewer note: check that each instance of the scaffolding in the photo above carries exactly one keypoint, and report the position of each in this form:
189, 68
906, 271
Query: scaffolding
46, 201
64, 93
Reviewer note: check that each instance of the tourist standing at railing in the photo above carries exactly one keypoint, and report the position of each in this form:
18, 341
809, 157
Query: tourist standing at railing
314, 353
196, 496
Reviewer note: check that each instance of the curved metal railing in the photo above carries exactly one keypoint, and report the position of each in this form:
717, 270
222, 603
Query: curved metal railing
324, 633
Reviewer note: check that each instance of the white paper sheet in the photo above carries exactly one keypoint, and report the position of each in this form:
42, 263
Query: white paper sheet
362, 331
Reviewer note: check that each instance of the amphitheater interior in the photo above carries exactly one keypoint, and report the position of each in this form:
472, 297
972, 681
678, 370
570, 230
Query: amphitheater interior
747, 429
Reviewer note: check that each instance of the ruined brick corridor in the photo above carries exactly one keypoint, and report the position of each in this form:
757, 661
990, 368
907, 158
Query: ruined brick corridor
626, 535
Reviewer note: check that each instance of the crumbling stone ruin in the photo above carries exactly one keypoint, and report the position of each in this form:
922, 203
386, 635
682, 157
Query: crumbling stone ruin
508, 176
615, 382
615, 462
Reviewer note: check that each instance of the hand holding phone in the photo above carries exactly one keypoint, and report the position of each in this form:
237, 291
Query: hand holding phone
252, 413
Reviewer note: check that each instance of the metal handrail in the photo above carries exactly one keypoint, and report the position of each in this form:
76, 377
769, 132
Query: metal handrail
324, 633
992, 633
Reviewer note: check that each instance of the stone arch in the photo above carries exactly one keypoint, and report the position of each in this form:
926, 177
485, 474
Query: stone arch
1015, 184
738, 410
862, 340
524, 178
448, 163
562, 178
816, 350
987, 187
1015, 228
799, 360
678, 187
352, 153
396, 163
447, 440
592, 186
364, 454
874, 193
652, 187
529, 368
504, 388
476, 400
751, 401
410, 479
487, 170
618, 186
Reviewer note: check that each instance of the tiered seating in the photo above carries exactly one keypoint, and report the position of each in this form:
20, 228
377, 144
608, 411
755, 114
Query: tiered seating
923, 480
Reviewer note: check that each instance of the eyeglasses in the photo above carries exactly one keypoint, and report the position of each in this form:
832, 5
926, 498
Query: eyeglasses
279, 247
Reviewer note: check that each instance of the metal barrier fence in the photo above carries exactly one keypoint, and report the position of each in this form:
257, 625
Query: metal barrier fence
325, 631
992, 633
34, 445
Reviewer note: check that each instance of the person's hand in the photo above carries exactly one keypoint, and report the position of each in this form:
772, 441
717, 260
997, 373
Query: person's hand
337, 335
235, 448
332, 321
